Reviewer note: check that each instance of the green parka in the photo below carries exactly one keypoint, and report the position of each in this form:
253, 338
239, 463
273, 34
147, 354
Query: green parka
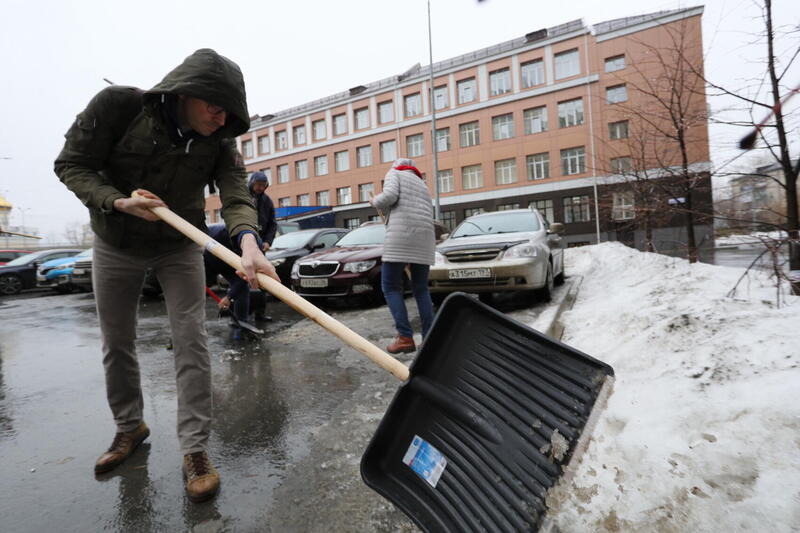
120, 143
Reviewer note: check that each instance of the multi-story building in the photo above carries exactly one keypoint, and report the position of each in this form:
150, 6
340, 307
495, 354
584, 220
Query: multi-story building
538, 121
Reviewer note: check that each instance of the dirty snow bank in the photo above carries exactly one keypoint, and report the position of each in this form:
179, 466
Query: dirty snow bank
702, 430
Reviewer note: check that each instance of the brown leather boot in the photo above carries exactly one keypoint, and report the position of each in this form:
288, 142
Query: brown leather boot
402, 344
202, 479
121, 448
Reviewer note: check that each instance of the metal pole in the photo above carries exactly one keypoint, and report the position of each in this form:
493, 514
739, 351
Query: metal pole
436, 208
591, 137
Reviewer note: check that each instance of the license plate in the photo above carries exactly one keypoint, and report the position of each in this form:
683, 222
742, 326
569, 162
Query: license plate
78, 271
313, 282
470, 273
39, 277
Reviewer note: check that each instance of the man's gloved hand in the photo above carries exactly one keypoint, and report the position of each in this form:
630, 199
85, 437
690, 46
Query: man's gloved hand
253, 261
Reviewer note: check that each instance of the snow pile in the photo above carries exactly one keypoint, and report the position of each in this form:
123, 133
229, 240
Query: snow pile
702, 430
750, 239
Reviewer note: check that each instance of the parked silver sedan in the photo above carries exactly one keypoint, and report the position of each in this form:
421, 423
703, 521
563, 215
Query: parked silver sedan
501, 251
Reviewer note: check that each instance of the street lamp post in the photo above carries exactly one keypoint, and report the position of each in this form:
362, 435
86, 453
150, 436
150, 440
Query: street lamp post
436, 209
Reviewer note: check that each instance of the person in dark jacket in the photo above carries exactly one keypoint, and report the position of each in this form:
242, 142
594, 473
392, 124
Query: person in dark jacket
267, 226
167, 144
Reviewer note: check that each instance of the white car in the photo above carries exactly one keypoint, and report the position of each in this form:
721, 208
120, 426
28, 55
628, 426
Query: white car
512, 250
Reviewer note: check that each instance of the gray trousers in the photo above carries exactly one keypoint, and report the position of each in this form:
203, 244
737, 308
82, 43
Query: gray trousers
118, 278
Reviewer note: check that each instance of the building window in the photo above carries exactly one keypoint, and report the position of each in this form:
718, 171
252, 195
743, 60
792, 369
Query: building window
320, 130
500, 82
505, 171
299, 135
303, 199
507, 207
364, 156
323, 198
535, 120
388, 151
283, 173
573, 161
281, 141
469, 134
448, 218
615, 63
386, 112
616, 94
413, 104
247, 148
340, 124
341, 161
321, 165
538, 166
570, 113
503, 127
443, 139
263, 144
364, 191
446, 183
374, 218
467, 91
362, 118
352, 223
472, 211
532, 73
623, 206
471, 177
414, 145
567, 64
618, 130
545, 208
284, 202
301, 169
620, 165
343, 196
576, 209
440, 100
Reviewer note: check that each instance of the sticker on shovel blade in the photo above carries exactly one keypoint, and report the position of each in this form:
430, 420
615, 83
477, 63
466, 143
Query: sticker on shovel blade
425, 460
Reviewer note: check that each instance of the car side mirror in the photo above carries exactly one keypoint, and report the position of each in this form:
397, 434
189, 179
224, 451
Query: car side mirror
443, 237
317, 246
557, 228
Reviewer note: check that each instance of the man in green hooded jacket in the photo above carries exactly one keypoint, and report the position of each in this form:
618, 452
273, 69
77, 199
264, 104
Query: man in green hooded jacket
167, 144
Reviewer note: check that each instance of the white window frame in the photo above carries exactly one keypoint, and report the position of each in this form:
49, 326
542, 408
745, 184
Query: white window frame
616, 94
341, 161
535, 120
364, 190
361, 117
281, 140
505, 171
538, 166
532, 73
621, 165
299, 134
618, 130
263, 144
503, 127
500, 81
570, 113
443, 139
321, 165
615, 63
386, 112
469, 134
415, 145
301, 169
472, 177
446, 181
284, 202
320, 129
467, 90
340, 124
323, 198
573, 161
567, 64
545, 208
283, 173
440, 98
386, 156
352, 223
412, 105
304, 199
364, 156
247, 149
576, 204
344, 195
624, 208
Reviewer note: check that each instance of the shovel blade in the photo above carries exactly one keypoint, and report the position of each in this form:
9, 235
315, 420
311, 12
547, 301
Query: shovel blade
507, 416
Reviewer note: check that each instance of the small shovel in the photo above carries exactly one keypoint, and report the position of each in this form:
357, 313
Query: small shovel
488, 419
236, 322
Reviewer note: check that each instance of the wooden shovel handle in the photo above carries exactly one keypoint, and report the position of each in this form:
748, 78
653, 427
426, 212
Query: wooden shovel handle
293, 300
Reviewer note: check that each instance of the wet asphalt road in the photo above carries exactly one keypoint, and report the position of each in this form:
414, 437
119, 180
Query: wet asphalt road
293, 413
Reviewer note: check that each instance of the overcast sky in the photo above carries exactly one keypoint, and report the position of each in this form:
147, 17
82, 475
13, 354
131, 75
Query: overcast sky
54, 55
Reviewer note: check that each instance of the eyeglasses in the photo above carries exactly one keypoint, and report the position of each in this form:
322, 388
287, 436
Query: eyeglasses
214, 109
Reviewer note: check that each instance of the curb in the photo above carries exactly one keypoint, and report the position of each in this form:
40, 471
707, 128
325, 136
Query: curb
556, 328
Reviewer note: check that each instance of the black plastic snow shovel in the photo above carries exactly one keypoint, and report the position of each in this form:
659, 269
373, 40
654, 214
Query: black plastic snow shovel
488, 417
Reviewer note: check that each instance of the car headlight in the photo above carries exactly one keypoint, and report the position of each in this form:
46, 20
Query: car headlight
68, 265
296, 270
278, 262
520, 251
438, 259
358, 266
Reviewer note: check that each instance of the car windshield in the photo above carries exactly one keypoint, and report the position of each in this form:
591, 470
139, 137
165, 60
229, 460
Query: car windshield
364, 236
85, 253
497, 223
25, 259
295, 239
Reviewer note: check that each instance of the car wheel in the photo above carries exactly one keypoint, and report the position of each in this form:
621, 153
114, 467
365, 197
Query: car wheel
10, 284
545, 294
64, 289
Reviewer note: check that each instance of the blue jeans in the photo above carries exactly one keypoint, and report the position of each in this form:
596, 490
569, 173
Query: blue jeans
392, 285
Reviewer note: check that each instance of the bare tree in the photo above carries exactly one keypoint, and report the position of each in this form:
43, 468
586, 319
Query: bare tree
78, 233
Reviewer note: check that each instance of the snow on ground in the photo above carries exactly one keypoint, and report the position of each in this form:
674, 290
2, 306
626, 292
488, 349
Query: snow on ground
750, 239
702, 430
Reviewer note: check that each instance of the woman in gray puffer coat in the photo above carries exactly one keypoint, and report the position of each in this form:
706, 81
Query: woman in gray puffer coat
410, 240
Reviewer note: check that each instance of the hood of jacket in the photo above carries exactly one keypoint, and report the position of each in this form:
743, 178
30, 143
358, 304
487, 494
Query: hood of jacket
211, 77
